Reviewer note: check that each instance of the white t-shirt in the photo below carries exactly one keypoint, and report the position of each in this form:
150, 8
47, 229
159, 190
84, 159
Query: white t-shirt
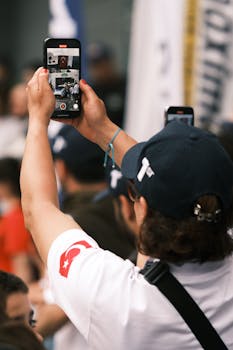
114, 307
67, 336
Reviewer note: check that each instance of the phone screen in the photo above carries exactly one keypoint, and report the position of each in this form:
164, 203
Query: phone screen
185, 118
63, 64
184, 114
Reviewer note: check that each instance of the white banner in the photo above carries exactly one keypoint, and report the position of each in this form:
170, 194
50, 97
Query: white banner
155, 77
61, 24
213, 90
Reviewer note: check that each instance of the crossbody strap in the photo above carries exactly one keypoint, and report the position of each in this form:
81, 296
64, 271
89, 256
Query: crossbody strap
159, 275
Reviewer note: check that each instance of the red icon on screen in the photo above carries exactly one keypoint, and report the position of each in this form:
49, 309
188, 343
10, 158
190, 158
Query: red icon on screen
63, 106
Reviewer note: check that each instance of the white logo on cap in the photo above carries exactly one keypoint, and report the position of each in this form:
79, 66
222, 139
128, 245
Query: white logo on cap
115, 177
59, 144
145, 170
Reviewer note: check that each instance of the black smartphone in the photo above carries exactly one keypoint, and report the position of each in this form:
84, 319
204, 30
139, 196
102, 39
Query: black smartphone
62, 58
183, 113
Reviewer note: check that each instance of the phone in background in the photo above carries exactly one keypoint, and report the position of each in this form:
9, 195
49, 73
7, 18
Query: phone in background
182, 113
62, 58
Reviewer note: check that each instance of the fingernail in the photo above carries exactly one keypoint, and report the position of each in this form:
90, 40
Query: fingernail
84, 81
45, 70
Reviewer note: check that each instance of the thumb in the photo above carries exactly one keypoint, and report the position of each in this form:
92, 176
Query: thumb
33, 84
88, 92
43, 78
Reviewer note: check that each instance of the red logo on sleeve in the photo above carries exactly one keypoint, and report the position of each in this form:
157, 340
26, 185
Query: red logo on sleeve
68, 256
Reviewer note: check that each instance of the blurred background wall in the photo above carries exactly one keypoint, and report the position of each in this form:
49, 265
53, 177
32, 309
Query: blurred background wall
24, 25
173, 52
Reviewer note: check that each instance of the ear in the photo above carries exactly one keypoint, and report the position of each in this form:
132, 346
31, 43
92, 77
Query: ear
126, 208
141, 209
128, 214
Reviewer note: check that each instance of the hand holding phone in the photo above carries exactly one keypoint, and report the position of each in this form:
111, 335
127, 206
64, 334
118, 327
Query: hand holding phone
184, 114
62, 58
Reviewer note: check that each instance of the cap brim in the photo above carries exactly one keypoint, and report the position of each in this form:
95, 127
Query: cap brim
102, 195
129, 166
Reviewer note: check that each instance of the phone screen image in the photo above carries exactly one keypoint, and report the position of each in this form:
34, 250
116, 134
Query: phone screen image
64, 74
185, 118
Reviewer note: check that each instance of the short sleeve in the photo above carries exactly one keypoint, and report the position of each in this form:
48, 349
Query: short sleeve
66, 261
81, 275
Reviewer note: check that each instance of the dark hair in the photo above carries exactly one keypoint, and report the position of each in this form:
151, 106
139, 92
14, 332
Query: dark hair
10, 283
88, 173
18, 336
179, 241
3, 315
10, 173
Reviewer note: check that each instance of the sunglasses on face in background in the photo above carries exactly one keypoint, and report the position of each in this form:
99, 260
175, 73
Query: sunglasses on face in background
31, 321
133, 193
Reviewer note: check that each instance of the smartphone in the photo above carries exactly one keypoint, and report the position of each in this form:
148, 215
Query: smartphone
62, 58
183, 113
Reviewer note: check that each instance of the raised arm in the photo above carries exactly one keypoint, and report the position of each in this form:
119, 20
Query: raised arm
38, 184
97, 127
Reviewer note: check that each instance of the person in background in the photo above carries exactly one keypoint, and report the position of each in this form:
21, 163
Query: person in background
16, 306
17, 336
17, 251
17, 101
16, 301
118, 187
106, 80
13, 125
12, 130
124, 210
3, 315
4, 84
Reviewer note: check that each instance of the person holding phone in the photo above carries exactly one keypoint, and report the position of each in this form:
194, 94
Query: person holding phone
181, 184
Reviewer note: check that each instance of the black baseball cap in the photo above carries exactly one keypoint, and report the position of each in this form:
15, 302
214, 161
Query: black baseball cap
177, 166
117, 183
83, 158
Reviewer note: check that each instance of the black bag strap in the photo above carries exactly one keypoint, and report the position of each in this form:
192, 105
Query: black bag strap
159, 275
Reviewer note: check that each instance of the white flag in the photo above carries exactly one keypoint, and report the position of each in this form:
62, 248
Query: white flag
155, 77
213, 89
